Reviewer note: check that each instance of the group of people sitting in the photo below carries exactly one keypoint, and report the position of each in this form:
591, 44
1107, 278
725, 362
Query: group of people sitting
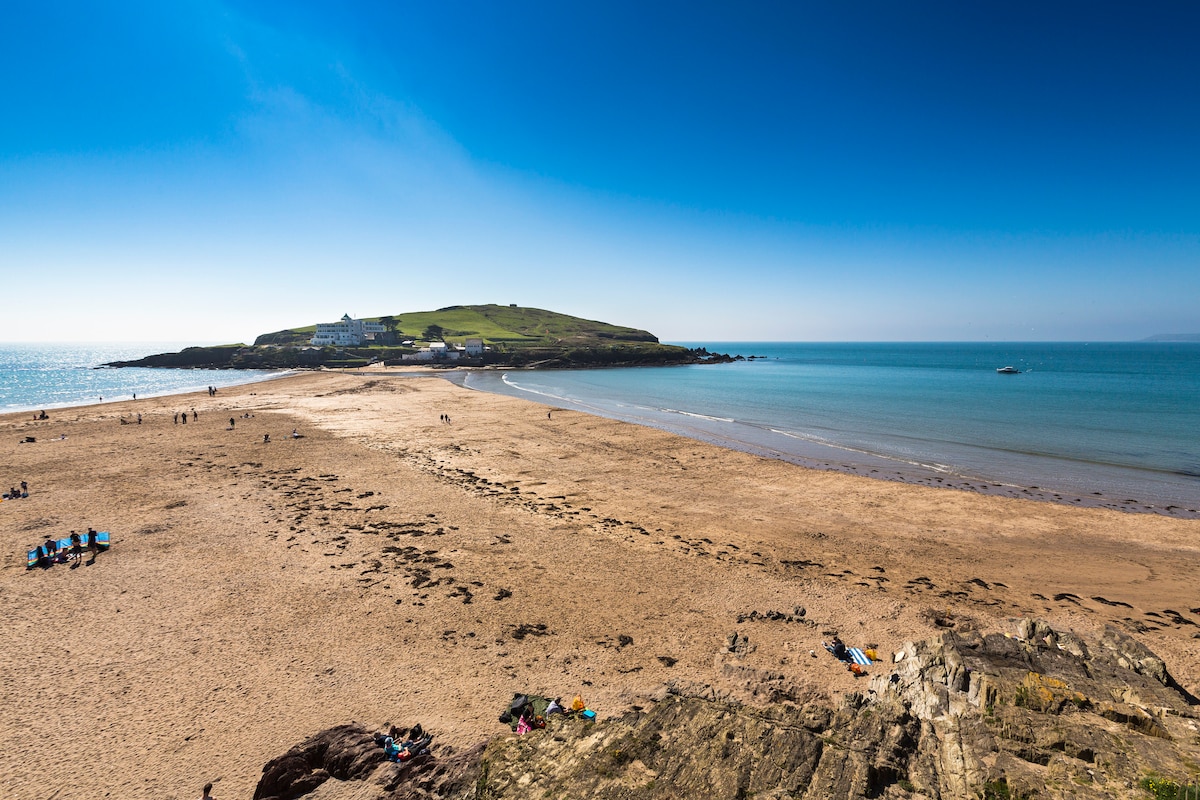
529, 712
55, 551
415, 743
15, 493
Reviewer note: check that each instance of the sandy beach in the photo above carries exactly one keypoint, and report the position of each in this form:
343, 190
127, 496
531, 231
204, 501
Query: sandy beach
391, 566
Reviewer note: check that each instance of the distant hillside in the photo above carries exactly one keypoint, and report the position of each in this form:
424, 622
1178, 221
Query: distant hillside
493, 323
1173, 337
514, 337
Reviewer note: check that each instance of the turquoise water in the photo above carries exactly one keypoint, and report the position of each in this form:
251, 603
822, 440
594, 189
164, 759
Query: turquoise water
1113, 420
1119, 421
44, 376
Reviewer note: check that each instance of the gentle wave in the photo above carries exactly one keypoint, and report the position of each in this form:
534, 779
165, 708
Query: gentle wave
1100, 419
696, 415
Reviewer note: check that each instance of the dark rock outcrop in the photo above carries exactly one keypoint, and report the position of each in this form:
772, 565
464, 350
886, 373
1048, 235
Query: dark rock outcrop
205, 357
348, 754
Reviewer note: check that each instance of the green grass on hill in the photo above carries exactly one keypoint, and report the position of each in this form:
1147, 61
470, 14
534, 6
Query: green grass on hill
501, 325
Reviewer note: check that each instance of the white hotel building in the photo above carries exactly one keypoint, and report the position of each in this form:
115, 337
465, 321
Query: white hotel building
346, 332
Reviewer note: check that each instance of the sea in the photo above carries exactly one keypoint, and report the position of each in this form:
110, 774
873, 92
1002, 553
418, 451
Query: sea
40, 377
1097, 424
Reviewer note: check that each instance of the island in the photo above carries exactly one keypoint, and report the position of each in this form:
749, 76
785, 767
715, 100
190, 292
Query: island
477, 335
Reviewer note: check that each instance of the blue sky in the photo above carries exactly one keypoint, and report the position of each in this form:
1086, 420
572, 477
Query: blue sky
208, 171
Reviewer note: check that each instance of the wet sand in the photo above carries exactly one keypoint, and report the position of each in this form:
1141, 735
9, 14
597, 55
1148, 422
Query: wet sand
392, 567
851, 461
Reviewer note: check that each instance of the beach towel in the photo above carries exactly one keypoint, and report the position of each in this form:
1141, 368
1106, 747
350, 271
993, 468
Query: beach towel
858, 656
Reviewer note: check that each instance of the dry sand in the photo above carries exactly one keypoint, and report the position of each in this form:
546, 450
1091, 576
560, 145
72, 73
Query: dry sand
390, 567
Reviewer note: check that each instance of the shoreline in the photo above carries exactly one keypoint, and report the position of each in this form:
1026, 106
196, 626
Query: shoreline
257, 592
831, 457
862, 464
268, 376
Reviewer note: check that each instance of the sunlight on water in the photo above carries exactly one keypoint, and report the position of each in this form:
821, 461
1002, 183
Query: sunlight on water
35, 376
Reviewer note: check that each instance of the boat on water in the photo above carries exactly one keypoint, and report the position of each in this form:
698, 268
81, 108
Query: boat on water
1008, 370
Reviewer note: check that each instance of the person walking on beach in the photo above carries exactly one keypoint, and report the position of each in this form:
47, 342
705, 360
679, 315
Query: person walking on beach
76, 547
232, 422
195, 416
176, 419
93, 545
207, 792
183, 418
24, 488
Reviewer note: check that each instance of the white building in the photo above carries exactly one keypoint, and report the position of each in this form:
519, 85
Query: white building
346, 332
437, 351
474, 347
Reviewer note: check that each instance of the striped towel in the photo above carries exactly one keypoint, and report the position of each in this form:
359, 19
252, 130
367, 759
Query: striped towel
858, 656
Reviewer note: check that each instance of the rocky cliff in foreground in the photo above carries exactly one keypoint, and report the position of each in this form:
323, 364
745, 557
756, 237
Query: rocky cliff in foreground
1038, 713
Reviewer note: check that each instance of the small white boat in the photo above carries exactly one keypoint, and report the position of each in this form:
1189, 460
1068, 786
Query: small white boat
1008, 370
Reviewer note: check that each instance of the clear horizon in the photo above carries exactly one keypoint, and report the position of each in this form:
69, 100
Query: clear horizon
213, 170
1192, 338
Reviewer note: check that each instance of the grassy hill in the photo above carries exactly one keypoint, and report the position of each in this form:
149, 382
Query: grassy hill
513, 326
515, 337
